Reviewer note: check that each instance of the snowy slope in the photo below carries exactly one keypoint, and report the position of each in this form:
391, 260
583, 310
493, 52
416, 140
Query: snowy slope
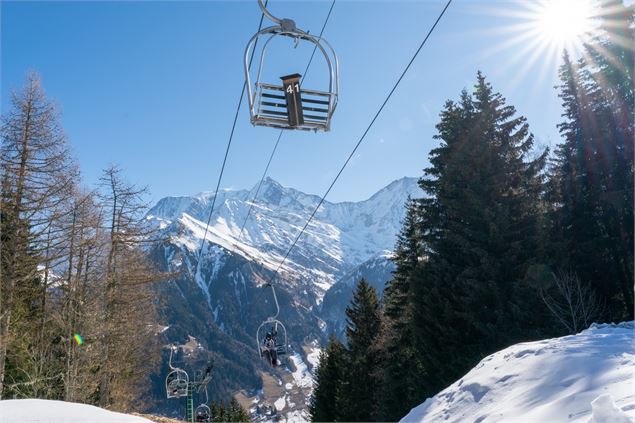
568, 379
40, 411
340, 237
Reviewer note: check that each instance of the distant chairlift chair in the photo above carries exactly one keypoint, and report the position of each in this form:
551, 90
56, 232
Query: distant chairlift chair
288, 106
279, 331
177, 380
203, 413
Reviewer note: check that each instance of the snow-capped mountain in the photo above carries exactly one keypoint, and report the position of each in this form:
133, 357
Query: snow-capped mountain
221, 299
340, 237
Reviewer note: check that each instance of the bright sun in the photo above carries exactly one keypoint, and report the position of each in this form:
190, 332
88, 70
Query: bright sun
535, 34
564, 22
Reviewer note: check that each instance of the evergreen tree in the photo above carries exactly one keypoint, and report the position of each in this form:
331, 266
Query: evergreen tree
236, 412
593, 172
231, 412
407, 253
357, 394
480, 232
328, 378
400, 367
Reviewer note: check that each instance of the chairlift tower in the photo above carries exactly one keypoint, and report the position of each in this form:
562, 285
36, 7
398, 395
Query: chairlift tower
178, 384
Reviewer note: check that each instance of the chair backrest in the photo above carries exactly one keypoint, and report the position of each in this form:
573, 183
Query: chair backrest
176, 383
268, 105
281, 338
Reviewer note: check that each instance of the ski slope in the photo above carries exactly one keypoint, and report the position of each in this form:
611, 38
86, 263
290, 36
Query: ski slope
584, 378
46, 411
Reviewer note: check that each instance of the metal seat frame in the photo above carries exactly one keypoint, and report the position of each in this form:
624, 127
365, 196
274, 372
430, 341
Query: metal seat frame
277, 324
204, 405
179, 382
258, 97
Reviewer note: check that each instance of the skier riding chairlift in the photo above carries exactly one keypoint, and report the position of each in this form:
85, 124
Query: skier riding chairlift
271, 348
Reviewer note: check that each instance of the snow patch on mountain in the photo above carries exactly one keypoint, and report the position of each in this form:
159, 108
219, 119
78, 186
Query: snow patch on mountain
301, 375
340, 237
575, 378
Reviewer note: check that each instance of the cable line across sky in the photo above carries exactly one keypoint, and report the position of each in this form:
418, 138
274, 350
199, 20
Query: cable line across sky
273, 152
361, 139
229, 143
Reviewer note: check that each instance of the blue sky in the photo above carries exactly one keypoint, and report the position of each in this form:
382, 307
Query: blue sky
153, 86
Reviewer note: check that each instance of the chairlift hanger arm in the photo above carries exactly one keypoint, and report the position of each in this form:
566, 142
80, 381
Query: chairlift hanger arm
170, 361
285, 24
275, 298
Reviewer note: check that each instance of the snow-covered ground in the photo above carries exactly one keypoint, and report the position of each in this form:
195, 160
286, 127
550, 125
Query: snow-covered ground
286, 393
46, 411
301, 375
584, 378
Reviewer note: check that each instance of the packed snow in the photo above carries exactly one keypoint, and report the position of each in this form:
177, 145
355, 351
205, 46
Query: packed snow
298, 416
314, 358
585, 378
46, 411
280, 403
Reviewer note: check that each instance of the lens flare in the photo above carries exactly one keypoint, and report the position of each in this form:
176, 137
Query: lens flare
78, 338
564, 21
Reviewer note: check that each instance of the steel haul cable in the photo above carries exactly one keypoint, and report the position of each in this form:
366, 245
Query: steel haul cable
231, 136
361, 139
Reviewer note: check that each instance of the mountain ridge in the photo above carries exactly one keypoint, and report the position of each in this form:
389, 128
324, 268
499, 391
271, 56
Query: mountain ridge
341, 236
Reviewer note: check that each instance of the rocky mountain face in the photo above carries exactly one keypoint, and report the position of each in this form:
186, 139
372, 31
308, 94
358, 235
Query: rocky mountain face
219, 295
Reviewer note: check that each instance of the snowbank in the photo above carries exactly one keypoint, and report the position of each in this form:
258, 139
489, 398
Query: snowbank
584, 378
45, 411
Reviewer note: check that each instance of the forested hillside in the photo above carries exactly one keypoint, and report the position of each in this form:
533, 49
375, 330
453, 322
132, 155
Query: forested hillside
77, 314
510, 243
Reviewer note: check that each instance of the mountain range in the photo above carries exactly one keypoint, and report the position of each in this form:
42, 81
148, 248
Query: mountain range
219, 295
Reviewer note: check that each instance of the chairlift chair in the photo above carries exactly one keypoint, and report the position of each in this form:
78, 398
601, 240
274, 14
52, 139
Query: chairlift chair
277, 326
203, 413
287, 105
203, 378
177, 380
281, 346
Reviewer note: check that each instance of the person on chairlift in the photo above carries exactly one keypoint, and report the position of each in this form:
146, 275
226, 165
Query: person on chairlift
202, 416
271, 348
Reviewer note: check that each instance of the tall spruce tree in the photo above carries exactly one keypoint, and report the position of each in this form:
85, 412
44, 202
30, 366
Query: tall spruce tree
356, 399
480, 232
593, 172
328, 379
400, 369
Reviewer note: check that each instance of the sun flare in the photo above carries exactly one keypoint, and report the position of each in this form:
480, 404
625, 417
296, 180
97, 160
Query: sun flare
537, 32
564, 22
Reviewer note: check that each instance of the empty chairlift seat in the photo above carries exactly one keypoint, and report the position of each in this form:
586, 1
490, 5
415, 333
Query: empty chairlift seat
289, 105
